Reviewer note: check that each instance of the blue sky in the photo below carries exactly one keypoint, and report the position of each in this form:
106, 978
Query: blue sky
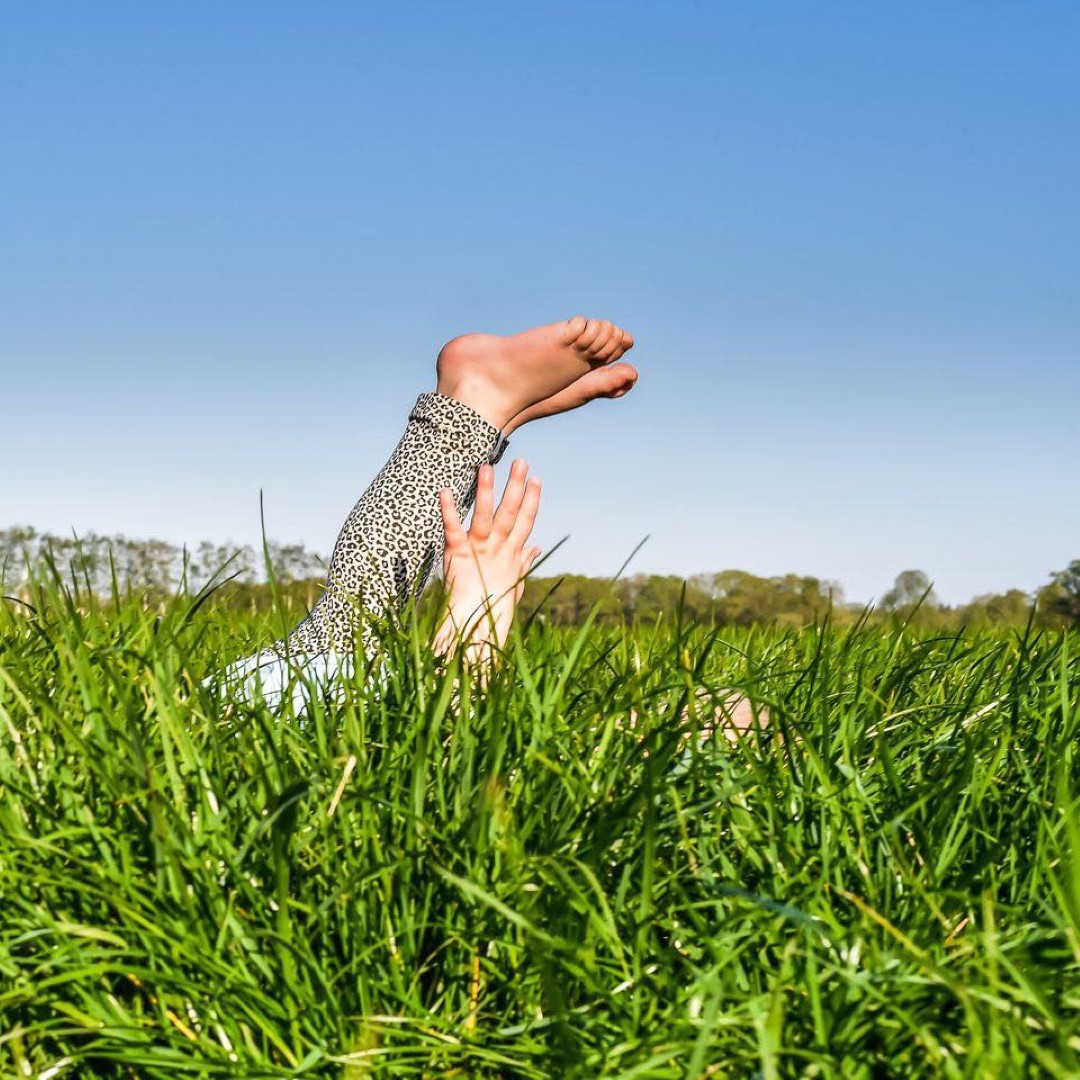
234, 235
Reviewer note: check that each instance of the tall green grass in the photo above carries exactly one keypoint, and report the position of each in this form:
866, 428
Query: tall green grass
565, 875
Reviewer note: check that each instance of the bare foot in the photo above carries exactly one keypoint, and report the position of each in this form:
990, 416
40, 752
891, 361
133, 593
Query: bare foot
611, 381
500, 377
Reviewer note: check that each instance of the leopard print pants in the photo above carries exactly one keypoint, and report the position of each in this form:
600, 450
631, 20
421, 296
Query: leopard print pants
388, 545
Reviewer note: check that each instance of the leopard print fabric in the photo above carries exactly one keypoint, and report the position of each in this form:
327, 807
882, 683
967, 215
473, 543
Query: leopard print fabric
390, 541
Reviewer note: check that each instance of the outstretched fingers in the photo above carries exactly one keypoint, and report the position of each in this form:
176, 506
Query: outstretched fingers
483, 512
510, 504
528, 557
455, 531
527, 511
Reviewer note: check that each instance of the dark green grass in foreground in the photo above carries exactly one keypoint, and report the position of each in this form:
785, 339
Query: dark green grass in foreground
560, 878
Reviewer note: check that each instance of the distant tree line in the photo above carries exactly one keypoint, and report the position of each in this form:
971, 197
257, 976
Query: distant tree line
240, 578
97, 562
738, 598
732, 596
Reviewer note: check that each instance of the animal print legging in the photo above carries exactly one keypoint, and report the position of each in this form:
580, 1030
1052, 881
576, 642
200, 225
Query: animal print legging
388, 545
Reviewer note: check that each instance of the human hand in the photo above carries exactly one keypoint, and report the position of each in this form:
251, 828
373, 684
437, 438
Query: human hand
484, 569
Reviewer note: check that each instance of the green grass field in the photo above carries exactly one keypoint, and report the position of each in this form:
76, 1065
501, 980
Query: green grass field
561, 877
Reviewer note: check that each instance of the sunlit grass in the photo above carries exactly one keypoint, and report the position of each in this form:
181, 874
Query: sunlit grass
560, 877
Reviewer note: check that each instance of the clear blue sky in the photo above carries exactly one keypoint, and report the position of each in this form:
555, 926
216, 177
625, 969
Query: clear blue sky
846, 237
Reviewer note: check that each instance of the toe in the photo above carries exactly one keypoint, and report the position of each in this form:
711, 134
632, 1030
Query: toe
602, 340
624, 341
590, 335
620, 379
613, 346
574, 328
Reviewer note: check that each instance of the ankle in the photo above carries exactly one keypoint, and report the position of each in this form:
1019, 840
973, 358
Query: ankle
479, 394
